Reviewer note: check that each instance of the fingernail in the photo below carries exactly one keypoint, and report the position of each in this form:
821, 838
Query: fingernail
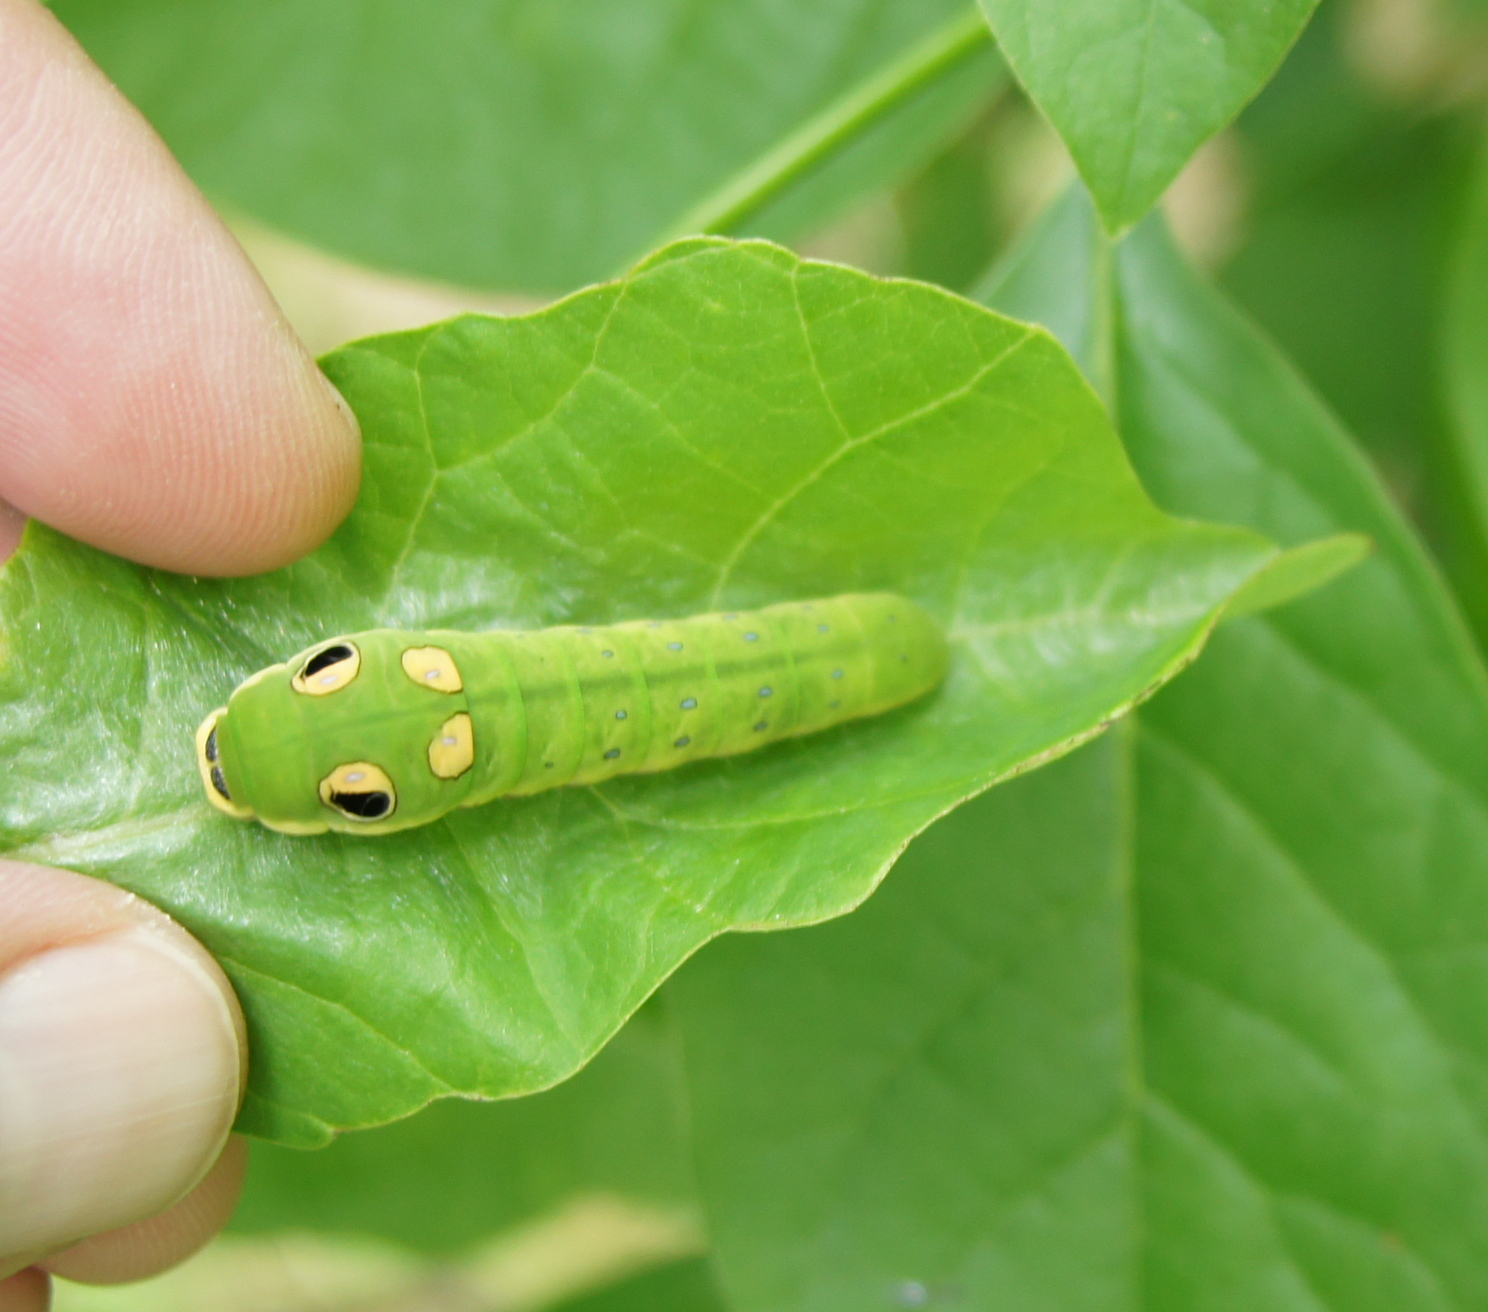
118, 1084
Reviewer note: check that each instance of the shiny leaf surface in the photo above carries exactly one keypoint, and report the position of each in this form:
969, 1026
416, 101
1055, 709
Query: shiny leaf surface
728, 427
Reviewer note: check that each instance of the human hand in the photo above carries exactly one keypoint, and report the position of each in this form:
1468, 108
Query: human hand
153, 402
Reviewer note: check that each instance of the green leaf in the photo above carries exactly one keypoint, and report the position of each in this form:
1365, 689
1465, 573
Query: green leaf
1136, 86
459, 1173
729, 426
685, 1286
945, 1097
526, 145
947, 217
1298, 571
1311, 845
928, 1104
1464, 367
1312, 863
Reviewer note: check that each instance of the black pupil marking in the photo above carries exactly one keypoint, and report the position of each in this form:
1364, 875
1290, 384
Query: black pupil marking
219, 782
682, 741
322, 659
365, 806
612, 753
211, 748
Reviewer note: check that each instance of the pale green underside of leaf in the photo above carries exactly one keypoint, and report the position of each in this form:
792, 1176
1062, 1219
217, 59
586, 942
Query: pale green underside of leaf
1136, 86
1192, 1021
728, 427
525, 145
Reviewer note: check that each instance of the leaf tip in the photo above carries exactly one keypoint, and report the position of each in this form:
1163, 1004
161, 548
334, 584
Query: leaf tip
1296, 571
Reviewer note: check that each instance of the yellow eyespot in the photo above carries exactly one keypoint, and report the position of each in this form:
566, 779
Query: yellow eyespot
360, 791
432, 667
453, 750
328, 670
209, 763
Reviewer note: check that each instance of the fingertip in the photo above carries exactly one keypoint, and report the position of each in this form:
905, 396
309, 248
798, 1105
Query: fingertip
260, 502
160, 1242
153, 400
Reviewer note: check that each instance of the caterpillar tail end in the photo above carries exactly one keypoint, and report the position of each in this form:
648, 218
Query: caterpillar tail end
911, 656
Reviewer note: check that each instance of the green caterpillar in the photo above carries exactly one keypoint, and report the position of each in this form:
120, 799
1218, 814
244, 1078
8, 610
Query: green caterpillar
387, 729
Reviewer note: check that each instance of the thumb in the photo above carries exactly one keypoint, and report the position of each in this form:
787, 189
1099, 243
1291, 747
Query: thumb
121, 1061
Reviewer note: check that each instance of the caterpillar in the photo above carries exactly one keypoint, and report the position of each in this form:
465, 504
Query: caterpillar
387, 729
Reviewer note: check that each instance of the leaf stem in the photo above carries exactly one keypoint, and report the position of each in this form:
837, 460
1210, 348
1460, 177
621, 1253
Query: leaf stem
749, 190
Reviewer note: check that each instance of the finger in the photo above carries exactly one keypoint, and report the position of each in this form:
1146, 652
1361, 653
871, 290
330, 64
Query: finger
153, 401
26, 1291
121, 1060
153, 1245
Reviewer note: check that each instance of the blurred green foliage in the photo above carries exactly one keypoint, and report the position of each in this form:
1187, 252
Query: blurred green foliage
448, 1179
681, 1287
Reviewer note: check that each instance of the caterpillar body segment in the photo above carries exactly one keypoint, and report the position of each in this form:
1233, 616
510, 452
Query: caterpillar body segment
386, 729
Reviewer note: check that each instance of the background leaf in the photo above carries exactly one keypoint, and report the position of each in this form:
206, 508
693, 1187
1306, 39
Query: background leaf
685, 1286
1136, 86
943, 1097
928, 1103
948, 214
1464, 343
1313, 865
730, 426
525, 145
459, 1172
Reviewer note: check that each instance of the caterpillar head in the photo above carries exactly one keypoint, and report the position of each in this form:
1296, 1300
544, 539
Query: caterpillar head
363, 734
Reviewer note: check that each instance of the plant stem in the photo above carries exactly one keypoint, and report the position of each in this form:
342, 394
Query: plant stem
750, 190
